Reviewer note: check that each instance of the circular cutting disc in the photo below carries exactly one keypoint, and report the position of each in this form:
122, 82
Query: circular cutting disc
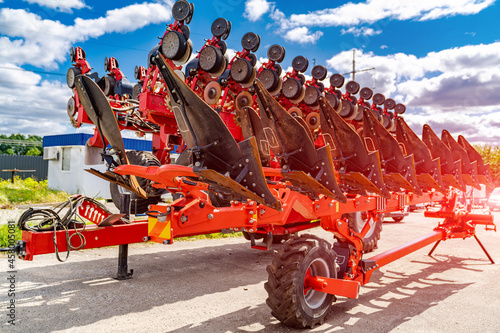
312, 120
180, 74
173, 45
301, 78
347, 109
292, 88
181, 10
219, 27
376, 114
276, 53
338, 93
359, 115
269, 79
278, 88
106, 64
70, 107
72, 54
332, 100
223, 46
186, 56
389, 104
378, 99
319, 72
221, 70
212, 92
312, 95
250, 81
337, 80
185, 31
71, 76
256, 46
228, 31
109, 85
352, 87
211, 59
253, 59
366, 93
295, 111
191, 68
243, 99
300, 64
386, 121
278, 69
250, 41
137, 73
241, 70
400, 108
136, 91
152, 54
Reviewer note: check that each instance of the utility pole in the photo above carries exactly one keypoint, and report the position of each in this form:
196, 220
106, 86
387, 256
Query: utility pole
354, 71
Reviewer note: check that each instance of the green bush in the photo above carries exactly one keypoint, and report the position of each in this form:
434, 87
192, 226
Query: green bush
4, 235
28, 191
491, 156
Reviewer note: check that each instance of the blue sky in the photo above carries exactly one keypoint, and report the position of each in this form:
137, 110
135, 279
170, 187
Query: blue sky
441, 58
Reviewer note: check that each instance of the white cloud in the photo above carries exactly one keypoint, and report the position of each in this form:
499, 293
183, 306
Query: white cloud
363, 31
60, 5
383, 47
302, 35
374, 11
255, 9
44, 43
453, 89
31, 105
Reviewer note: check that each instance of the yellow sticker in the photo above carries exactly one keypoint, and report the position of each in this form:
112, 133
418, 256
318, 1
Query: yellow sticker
166, 233
151, 223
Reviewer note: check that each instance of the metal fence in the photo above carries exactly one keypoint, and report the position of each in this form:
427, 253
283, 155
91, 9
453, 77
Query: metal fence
22, 162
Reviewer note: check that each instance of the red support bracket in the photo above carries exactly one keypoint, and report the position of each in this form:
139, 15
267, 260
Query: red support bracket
43, 242
346, 288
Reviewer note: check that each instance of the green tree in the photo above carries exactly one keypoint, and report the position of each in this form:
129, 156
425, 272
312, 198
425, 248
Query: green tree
33, 152
491, 156
16, 149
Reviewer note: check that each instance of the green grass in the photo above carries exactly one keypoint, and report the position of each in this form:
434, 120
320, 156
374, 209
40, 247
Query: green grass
27, 191
4, 235
24, 191
210, 236
30, 191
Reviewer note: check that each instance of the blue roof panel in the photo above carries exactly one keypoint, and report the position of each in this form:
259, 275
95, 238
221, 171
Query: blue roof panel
79, 139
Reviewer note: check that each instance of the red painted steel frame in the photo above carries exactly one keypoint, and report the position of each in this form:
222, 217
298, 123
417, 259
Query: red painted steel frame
458, 223
43, 242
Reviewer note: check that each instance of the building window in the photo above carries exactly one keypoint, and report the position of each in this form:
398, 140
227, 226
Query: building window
66, 159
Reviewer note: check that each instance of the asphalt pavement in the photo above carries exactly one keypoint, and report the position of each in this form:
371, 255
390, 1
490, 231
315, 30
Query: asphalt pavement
218, 286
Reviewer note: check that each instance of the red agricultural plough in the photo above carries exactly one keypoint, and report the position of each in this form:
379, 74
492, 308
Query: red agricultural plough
266, 153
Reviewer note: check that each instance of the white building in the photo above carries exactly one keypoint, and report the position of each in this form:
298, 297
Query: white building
66, 172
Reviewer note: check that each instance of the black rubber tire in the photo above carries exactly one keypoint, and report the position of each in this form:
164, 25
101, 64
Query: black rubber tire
141, 158
277, 239
356, 223
285, 284
398, 218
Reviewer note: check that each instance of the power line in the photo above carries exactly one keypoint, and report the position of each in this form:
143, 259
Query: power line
15, 142
34, 71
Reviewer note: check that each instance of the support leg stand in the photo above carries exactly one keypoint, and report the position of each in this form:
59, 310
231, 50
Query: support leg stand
123, 273
434, 247
484, 249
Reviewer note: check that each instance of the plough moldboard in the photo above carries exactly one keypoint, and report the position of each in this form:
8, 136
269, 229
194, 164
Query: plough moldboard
270, 154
